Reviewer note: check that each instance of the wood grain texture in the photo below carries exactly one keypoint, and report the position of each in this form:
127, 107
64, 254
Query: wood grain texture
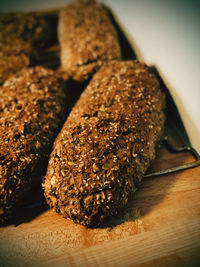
159, 227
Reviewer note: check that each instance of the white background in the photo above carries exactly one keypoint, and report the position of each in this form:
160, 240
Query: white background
165, 34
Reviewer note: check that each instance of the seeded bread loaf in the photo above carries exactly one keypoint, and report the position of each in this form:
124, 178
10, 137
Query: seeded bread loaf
32, 110
36, 28
106, 144
13, 57
87, 38
22, 35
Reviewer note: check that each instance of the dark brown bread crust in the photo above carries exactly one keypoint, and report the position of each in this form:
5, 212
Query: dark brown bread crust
87, 38
32, 110
106, 144
21, 35
32, 27
14, 56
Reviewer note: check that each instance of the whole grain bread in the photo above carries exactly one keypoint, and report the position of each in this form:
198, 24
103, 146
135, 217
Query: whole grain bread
13, 57
106, 144
32, 110
87, 38
22, 36
36, 28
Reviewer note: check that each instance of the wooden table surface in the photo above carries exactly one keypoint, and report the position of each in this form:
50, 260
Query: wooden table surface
159, 227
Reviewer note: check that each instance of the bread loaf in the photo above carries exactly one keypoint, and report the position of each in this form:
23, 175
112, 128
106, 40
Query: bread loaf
106, 144
13, 58
87, 38
22, 36
32, 110
36, 28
